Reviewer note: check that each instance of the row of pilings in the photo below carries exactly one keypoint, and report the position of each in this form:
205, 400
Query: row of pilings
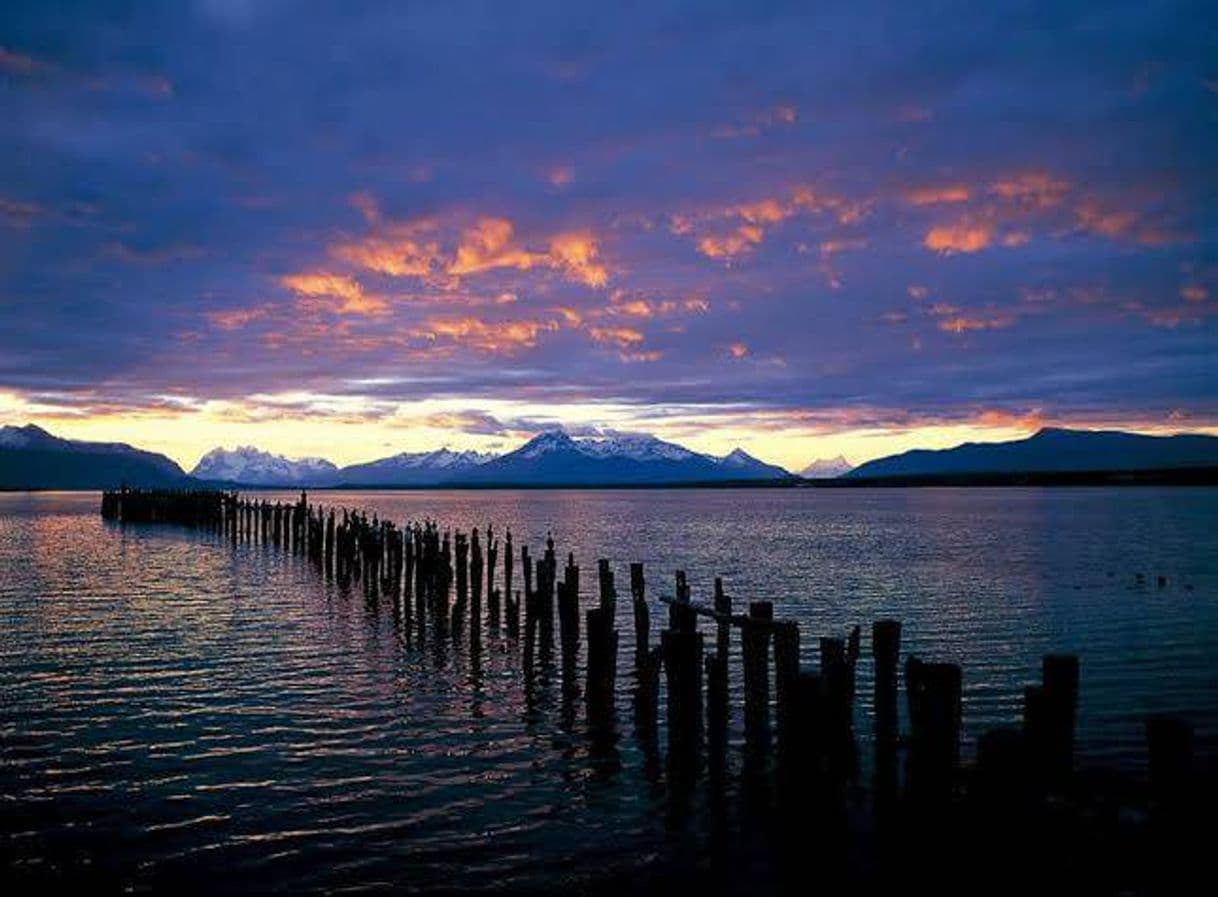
798, 722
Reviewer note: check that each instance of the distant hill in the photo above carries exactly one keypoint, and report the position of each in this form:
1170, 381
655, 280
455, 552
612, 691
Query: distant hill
31, 458
555, 459
826, 468
1051, 451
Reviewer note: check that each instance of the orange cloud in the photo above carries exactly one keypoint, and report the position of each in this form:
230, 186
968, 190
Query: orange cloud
560, 176
1037, 190
963, 324
738, 350
754, 219
497, 337
235, 319
490, 244
928, 196
622, 337
959, 237
579, 256
487, 245
414, 248
397, 257
743, 238
1194, 293
1119, 224
346, 291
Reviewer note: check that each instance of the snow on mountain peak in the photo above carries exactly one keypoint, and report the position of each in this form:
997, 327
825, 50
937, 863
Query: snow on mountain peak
641, 447
247, 464
827, 468
546, 442
25, 436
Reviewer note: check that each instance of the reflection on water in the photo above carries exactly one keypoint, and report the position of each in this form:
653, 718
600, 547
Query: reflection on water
173, 706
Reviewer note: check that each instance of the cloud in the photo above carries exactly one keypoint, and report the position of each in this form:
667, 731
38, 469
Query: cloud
414, 248
966, 324
336, 293
579, 256
928, 196
237, 318
17, 214
560, 176
750, 222
622, 337
1033, 190
961, 236
493, 337
17, 63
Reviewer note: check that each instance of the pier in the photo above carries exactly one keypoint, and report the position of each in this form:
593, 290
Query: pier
798, 761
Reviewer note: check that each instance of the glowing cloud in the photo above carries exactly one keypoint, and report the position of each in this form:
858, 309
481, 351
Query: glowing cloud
346, 295
965, 324
622, 337
928, 196
495, 337
1037, 190
962, 236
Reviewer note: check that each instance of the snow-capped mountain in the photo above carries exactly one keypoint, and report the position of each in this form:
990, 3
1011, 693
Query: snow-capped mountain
643, 447
27, 437
413, 468
32, 458
248, 466
827, 468
554, 458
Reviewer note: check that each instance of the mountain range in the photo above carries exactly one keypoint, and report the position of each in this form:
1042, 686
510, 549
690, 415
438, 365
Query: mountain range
32, 458
553, 458
1051, 450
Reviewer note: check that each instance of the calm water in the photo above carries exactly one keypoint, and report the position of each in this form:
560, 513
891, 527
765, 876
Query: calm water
173, 709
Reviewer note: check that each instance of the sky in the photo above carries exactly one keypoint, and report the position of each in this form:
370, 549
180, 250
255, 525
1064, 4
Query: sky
354, 228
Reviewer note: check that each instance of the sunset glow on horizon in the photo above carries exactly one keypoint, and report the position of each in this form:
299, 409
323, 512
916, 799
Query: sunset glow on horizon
349, 232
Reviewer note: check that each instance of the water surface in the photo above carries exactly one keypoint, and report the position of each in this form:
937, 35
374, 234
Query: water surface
174, 708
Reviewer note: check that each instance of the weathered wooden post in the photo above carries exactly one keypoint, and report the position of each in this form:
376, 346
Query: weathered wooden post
568, 616
492, 594
934, 692
885, 652
459, 608
508, 562
786, 670
602, 666
683, 664
755, 646
716, 715
475, 583
642, 618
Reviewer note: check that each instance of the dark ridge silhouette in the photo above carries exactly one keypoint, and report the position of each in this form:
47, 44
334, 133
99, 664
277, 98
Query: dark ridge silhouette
31, 458
1051, 451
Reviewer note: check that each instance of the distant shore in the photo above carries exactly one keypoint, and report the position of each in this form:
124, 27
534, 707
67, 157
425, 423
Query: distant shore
1193, 476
